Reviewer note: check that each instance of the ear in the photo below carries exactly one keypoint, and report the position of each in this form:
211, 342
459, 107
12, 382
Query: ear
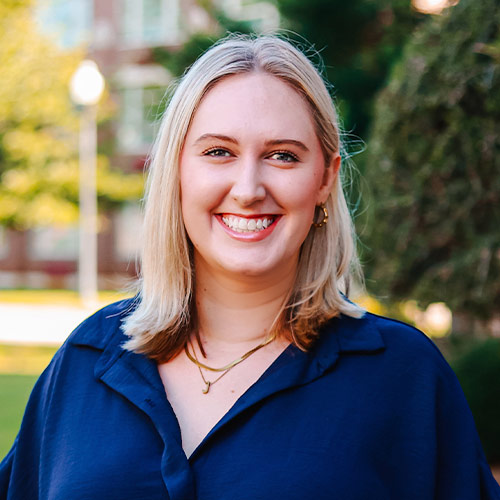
329, 178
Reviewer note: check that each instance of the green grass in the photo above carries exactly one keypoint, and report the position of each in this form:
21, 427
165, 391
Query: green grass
14, 393
20, 366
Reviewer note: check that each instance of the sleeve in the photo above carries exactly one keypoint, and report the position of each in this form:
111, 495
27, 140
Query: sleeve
6, 471
435, 448
25, 471
19, 470
462, 471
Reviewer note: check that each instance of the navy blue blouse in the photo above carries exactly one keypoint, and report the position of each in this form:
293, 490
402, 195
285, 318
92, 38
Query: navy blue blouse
373, 411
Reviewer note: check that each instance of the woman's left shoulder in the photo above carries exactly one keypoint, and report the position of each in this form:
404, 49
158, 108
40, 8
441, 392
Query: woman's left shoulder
405, 386
401, 340
395, 353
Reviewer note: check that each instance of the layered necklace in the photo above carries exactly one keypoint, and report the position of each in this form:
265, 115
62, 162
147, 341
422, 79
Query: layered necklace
224, 369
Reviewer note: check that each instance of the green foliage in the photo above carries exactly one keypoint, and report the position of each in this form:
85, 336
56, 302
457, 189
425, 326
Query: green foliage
478, 372
38, 129
358, 41
434, 159
179, 60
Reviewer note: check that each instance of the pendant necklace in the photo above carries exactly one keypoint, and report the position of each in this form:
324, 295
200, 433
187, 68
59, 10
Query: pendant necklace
224, 369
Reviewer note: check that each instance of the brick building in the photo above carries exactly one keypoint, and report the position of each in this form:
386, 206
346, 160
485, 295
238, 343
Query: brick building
120, 36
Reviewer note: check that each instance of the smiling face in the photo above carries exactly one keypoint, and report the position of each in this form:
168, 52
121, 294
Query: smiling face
252, 171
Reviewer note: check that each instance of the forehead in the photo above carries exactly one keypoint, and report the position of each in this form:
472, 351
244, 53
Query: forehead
253, 102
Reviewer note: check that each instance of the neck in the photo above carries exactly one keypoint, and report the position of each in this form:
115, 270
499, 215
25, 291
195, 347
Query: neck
236, 313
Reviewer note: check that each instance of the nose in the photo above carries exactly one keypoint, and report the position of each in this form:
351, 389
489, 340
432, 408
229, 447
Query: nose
248, 186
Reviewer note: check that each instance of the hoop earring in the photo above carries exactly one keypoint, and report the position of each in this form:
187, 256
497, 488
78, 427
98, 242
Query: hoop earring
325, 216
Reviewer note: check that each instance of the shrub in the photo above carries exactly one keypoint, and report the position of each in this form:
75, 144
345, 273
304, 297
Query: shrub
479, 374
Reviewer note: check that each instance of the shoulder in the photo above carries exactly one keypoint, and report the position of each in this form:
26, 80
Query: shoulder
402, 350
103, 327
406, 372
75, 361
100, 331
373, 331
407, 342
402, 336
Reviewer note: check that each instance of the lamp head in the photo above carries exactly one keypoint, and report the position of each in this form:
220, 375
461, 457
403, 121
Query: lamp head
87, 84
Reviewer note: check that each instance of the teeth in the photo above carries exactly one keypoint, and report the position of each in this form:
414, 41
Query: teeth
242, 225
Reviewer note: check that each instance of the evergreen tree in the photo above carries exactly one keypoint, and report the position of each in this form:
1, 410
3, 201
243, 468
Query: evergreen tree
433, 167
357, 42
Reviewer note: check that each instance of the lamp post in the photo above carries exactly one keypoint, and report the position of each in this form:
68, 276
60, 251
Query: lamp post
86, 87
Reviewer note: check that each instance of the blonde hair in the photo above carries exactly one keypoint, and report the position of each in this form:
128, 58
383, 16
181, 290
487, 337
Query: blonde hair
164, 311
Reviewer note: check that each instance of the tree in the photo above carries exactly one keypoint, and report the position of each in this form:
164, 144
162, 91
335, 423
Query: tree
434, 159
179, 60
357, 41
38, 129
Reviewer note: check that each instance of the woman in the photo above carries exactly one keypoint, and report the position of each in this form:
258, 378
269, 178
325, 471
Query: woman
241, 370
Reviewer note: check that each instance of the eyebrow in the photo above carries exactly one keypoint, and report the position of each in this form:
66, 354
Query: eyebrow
274, 142
278, 142
216, 136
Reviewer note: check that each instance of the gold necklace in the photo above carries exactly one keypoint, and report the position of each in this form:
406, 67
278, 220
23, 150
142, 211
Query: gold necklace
225, 369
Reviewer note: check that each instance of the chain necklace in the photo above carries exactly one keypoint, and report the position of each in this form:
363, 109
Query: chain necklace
225, 369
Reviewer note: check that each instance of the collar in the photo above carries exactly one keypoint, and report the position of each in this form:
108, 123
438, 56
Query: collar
103, 329
341, 334
357, 334
136, 377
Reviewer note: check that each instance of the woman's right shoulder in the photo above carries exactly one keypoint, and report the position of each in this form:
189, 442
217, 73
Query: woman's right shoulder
98, 333
104, 326
75, 360
70, 378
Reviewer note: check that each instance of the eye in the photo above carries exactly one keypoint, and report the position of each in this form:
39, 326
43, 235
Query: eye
283, 156
216, 152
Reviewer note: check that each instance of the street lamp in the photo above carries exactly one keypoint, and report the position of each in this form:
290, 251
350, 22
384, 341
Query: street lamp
86, 87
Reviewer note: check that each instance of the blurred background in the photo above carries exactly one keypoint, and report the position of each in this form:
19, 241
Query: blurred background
416, 82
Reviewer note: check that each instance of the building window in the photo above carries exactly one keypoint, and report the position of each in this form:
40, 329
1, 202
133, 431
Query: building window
261, 15
4, 246
69, 22
139, 118
150, 22
128, 228
53, 243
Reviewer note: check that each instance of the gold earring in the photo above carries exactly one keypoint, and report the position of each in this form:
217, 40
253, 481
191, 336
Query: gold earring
325, 216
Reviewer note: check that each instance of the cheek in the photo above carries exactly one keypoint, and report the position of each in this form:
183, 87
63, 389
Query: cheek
190, 202
201, 194
194, 184
301, 192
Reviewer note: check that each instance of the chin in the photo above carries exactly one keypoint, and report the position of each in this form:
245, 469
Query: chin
248, 269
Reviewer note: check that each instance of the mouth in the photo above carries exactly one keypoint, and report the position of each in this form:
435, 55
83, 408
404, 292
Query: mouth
254, 224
